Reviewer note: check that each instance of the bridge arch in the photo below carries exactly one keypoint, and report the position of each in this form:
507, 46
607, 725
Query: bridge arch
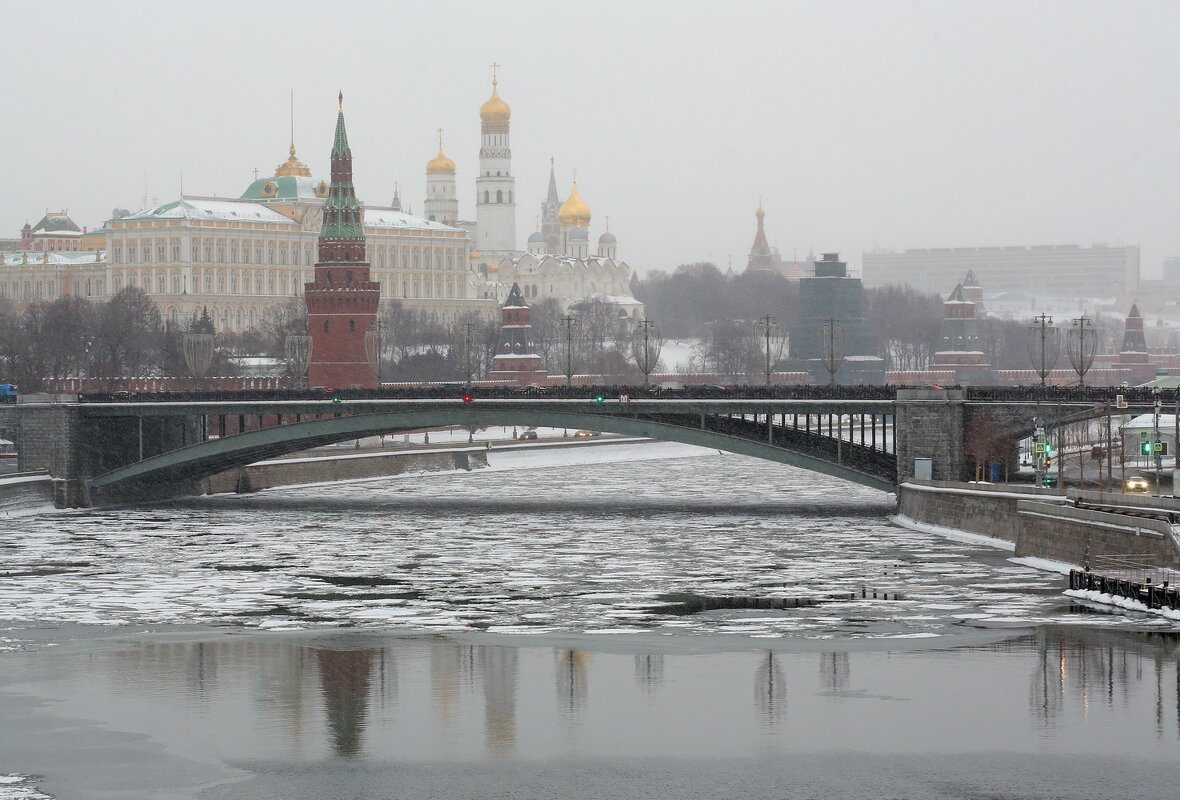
210, 457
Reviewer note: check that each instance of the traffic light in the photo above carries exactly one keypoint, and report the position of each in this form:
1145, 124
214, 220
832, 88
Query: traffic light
1048, 461
335, 399
466, 397
598, 398
1145, 448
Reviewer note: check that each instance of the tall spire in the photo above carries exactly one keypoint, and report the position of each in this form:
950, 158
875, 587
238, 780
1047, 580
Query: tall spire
342, 212
760, 256
340, 143
396, 205
553, 197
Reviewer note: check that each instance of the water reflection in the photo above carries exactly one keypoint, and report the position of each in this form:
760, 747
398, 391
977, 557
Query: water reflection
1079, 672
572, 666
649, 671
366, 696
835, 671
498, 666
344, 679
770, 689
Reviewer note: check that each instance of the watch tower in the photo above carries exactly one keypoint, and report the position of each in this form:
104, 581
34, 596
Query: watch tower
341, 301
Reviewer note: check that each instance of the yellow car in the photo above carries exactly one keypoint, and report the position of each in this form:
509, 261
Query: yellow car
1136, 483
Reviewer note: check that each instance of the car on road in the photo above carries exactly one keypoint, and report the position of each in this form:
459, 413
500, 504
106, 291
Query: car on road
1136, 483
586, 434
527, 435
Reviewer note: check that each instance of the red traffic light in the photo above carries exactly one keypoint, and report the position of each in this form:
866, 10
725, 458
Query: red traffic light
466, 397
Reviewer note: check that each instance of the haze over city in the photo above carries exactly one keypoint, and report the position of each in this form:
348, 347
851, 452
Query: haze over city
920, 124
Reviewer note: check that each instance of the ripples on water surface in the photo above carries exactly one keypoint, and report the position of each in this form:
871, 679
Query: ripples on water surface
531, 545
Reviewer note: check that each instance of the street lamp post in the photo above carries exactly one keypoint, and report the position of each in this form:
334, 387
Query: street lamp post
771, 332
298, 352
646, 350
198, 354
1044, 345
568, 367
469, 351
832, 342
1082, 346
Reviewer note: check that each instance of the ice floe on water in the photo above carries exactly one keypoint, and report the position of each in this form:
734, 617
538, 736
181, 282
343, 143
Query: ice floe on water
20, 787
594, 539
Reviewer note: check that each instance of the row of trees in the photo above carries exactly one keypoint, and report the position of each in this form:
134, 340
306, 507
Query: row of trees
697, 301
126, 337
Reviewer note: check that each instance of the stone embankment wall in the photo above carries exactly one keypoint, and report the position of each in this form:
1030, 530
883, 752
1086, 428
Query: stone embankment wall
984, 509
295, 471
22, 491
1048, 523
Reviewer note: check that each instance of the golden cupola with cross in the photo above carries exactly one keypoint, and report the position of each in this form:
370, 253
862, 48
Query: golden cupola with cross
574, 212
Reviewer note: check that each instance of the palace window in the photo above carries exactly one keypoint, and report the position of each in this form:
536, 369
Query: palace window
196, 256
209, 253
208, 284
175, 252
272, 284
258, 254
175, 284
258, 285
325, 326
160, 253
352, 326
499, 194
221, 253
270, 254
233, 253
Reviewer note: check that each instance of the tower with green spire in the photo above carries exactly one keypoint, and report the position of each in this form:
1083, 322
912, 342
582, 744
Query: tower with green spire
341, 301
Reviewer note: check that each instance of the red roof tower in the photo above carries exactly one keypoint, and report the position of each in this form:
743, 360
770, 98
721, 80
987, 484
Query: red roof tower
341, 301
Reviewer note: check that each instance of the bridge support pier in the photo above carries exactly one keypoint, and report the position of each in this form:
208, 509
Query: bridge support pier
929, 424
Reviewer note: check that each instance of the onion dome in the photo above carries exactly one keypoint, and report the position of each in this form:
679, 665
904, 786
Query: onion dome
292, 167
579, 235
536, 237
607, 238
440, 164
574, 211
495, 109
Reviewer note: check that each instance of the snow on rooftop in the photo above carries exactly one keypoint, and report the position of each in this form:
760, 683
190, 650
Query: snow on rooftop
378, 217
193, 208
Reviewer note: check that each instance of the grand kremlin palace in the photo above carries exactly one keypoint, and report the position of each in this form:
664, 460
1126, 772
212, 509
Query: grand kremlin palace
245, 258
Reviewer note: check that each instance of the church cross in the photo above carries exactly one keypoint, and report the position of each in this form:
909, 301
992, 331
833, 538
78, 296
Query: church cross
494, 67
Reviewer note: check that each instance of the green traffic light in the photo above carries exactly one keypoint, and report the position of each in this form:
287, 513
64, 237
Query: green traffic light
599, 398
335, 399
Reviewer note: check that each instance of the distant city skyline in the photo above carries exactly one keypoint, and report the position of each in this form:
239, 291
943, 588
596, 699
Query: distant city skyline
860, 125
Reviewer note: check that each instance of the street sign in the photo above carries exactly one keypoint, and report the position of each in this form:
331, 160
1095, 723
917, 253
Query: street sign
1040, 447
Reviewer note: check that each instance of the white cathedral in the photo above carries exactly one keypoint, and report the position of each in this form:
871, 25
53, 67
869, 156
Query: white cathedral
557, 262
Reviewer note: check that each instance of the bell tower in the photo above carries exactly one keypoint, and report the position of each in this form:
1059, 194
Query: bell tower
341, 301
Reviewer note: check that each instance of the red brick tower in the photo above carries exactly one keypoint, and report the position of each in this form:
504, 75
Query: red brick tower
516, 358
341, 301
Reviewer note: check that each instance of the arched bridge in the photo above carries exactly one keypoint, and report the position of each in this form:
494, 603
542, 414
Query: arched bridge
112, 447
850, 441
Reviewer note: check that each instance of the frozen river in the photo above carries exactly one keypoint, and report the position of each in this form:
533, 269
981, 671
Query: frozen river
536, 628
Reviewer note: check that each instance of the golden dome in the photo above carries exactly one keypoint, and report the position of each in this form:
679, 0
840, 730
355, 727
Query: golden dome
440, 164
495, 109
292, 166
574, 211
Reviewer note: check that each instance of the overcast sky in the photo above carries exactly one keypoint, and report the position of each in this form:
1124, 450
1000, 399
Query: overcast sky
890, 124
